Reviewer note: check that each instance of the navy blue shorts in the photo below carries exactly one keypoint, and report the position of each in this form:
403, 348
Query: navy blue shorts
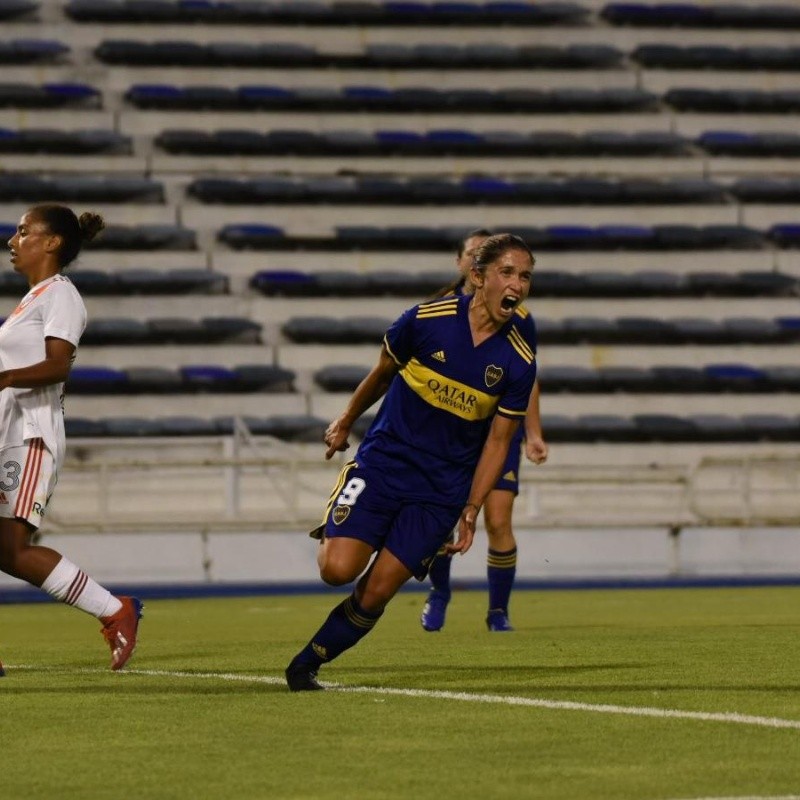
509, 477
363, 507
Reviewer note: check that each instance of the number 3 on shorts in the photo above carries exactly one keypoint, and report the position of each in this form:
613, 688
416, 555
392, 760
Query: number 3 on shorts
351, 491
11, 480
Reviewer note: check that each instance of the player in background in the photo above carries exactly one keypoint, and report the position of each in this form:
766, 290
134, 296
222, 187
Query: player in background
501, 562
457, 374
38, 341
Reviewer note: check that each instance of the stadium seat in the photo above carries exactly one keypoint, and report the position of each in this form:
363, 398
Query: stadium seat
29, 51
736, 378
263, 378
153, 380
340, 377
718, 427
782, 378
569, 379
76, 427
636, 380
314, 330
118, 331
207, 378
679, 379
304, 428
94, 282
15, 9
230, 330
771, 427
288, 283
663, 428
603, 428
175, 330
96, 380
186, 426
130, 426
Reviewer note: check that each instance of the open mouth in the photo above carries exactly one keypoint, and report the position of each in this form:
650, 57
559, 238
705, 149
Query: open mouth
509, 303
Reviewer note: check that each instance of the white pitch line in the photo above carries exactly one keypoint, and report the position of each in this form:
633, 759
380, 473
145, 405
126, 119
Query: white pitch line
496, 699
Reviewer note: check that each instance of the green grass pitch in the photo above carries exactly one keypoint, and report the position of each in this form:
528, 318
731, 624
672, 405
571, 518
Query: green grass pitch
202, 711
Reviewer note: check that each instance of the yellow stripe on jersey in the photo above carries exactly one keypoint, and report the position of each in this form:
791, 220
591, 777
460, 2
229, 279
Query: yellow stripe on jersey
439, 308
522, 312
340, 482
520, 345
457, 398
509, 413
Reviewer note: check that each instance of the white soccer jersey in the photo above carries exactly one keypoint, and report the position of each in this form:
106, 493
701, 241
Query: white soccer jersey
51, 308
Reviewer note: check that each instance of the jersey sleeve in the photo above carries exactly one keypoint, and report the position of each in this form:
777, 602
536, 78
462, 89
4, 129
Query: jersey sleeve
64, 314
514, 402
399, 339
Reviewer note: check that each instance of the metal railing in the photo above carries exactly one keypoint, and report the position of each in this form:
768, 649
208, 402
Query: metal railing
242, 482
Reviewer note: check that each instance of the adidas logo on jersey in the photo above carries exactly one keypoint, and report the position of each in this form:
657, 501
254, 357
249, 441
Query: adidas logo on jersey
439, 356
510, 476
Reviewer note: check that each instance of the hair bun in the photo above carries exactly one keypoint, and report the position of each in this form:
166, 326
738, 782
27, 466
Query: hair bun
91, 224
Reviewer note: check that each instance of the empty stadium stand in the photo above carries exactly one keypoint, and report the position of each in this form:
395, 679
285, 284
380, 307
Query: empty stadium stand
280, 179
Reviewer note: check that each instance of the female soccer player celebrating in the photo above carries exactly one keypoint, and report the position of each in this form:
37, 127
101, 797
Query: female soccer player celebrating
457, 374
37, 347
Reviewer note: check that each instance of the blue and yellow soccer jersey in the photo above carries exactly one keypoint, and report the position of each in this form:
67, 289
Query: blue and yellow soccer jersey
433, 422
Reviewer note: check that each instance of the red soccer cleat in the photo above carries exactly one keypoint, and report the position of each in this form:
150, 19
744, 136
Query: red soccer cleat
119, 630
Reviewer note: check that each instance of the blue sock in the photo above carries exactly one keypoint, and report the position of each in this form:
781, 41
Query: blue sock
439, 573
501, 568
346, 625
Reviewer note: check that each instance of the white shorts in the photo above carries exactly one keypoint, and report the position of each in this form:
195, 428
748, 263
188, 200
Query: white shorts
27, 479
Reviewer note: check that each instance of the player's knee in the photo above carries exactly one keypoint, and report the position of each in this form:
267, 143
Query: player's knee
335, 572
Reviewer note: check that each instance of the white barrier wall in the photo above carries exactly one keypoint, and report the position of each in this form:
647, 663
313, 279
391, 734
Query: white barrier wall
285, 559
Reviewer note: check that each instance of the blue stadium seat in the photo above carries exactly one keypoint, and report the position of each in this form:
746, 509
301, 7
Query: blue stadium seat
186, 426
96, 380
752, 330
289, 283
786, 235
736, 378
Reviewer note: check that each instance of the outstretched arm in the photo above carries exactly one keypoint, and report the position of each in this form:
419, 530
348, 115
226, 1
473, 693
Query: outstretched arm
369, 391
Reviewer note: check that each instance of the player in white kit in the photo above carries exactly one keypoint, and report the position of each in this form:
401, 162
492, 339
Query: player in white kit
38, 341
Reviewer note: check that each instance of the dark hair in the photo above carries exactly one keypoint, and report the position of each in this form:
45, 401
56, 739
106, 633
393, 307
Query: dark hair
458, 283
495, 246
74, 231
463, 243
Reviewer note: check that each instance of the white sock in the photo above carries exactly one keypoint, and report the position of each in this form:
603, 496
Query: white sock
73, 586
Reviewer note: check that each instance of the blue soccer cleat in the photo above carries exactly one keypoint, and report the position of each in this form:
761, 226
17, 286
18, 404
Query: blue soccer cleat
497, 620
433, 613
